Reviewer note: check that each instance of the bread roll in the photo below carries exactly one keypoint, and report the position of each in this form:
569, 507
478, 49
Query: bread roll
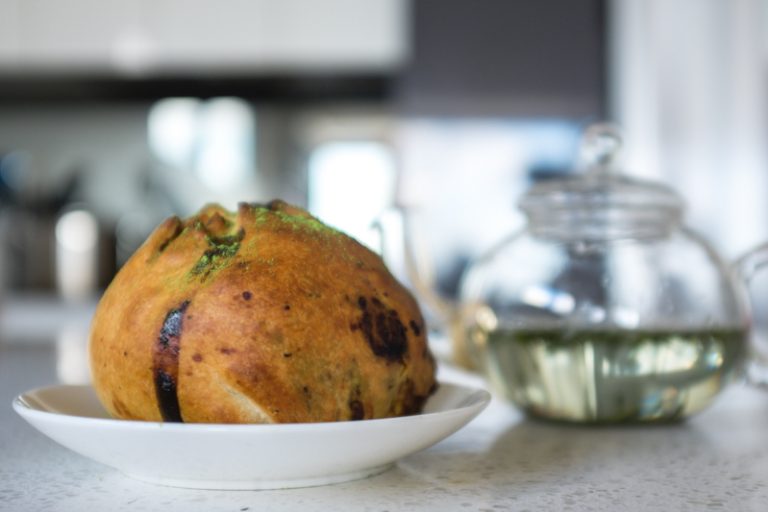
265, 315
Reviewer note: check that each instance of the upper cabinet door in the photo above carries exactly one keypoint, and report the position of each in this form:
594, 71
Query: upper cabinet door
157, 37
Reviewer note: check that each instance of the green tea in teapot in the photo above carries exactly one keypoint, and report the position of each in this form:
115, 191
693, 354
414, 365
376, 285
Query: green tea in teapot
613, 375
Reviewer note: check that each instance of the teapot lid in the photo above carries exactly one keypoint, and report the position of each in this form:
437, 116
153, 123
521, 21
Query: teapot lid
601, 202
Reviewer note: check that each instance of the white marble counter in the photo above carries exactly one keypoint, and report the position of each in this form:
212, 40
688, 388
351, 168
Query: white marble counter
716, 461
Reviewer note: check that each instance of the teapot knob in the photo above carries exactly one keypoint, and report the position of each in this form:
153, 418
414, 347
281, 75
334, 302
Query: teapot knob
600, 146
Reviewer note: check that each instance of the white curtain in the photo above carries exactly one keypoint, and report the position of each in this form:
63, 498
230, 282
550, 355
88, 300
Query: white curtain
688, 82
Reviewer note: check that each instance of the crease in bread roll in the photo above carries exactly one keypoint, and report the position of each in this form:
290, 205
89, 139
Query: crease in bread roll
260, 315
248, 408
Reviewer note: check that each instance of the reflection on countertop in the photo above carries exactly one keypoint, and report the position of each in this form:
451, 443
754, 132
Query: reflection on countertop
33, 318
50, 324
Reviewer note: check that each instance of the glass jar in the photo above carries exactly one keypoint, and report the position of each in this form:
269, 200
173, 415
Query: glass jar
606, 308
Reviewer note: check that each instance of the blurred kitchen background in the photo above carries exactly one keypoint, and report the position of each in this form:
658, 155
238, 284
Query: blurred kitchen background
115, 115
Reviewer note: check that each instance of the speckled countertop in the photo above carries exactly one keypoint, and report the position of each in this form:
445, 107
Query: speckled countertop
716, 461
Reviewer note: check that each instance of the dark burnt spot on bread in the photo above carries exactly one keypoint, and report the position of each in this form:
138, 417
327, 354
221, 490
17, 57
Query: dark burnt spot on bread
171, 329
167, 396
415, 327
287, 354
176, 229
197, 358
382, 329
227, 350
165, 360
287, 307
356, 410
247, 295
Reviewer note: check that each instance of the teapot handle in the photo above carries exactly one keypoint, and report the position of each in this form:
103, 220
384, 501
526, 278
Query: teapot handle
746, 268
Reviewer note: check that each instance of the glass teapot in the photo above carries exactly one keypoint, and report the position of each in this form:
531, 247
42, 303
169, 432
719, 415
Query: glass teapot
605, 308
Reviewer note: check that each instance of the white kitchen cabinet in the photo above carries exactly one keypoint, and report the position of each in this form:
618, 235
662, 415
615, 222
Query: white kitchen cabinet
157, 37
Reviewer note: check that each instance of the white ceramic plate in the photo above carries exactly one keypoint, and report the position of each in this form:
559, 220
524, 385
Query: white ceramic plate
243, 456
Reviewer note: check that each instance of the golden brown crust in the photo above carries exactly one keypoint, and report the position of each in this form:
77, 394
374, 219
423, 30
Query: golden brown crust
265, 315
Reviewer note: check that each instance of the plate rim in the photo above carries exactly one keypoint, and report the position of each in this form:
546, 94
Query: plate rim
481, 398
